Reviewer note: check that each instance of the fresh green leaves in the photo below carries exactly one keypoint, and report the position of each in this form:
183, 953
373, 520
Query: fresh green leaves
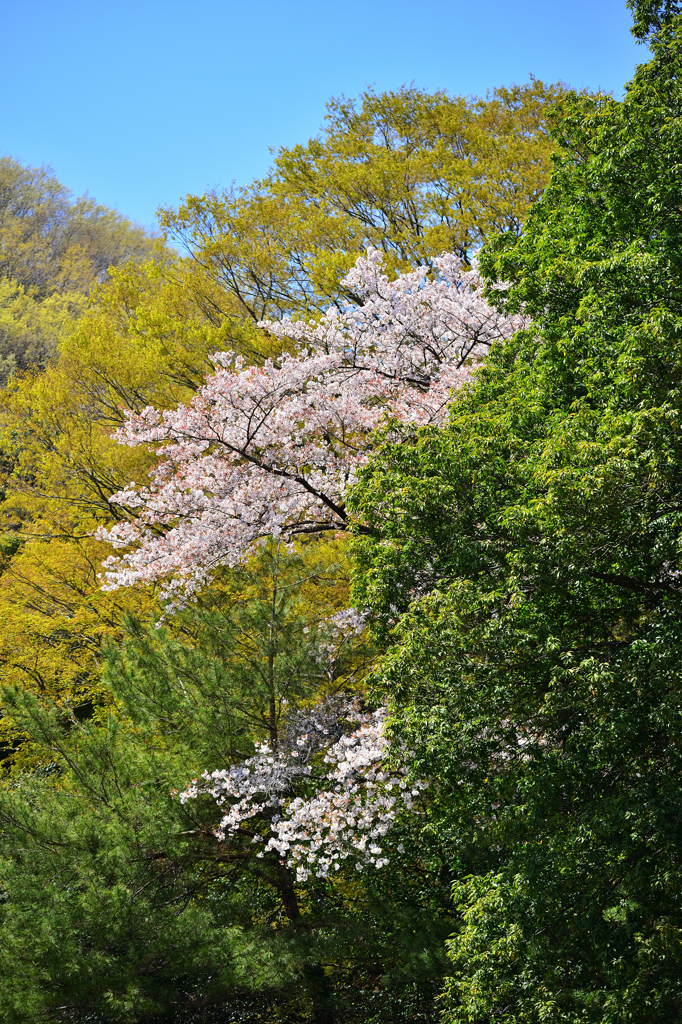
525, 564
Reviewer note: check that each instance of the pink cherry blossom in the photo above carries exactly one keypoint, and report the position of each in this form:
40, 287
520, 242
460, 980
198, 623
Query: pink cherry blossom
269, 450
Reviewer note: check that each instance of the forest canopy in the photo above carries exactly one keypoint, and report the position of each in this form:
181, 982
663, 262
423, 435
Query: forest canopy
411, 173
340, 577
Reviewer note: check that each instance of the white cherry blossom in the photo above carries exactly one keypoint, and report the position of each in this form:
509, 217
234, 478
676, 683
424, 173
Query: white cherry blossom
320, 798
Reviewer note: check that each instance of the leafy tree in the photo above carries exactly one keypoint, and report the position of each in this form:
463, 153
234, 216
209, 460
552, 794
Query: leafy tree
101, 838
30, 328
411, 173
524, 562
150, 327
651, 15
146, 339
55, 622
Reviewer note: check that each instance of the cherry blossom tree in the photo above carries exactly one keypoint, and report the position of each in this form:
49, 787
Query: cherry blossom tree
327, 792
271, 450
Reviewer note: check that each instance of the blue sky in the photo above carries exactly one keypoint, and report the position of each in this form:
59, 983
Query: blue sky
141, 102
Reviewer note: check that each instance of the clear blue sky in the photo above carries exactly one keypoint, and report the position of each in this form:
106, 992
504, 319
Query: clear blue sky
139, 102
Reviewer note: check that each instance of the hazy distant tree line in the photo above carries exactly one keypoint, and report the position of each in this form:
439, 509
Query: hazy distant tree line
53, 250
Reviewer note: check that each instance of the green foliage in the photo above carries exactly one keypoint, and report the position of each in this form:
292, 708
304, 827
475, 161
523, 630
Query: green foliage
50, 242
30, 328
53, 250
650, 16
412, 173
230, 668
525, 564
144, 339
439, 169
119, 902
105, 908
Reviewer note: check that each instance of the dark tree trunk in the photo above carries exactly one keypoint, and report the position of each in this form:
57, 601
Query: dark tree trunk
324, 1011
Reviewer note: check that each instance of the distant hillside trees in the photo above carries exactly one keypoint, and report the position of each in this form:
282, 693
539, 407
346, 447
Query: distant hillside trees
53, 250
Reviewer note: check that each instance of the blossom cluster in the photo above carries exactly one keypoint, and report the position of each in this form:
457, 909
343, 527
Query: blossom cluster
270, 450
348, 622
320, 798
408, 329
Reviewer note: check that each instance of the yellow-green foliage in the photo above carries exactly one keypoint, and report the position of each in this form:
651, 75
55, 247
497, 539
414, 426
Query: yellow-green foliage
53, 251
145, 337
30, 327
410, 172
50, 242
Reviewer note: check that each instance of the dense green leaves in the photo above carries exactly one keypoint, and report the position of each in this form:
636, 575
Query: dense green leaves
525, 563
649, 16
104, 907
